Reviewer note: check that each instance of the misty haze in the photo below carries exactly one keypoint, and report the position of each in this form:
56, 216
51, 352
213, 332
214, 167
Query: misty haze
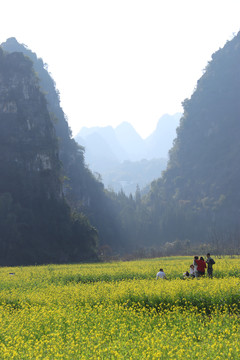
119, 180
165, 192
123, 159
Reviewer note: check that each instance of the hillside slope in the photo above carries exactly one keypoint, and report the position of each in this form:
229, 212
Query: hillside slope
200, 188
36, 224
83, 190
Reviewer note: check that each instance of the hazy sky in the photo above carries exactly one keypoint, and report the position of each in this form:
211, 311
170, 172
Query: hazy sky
122, 60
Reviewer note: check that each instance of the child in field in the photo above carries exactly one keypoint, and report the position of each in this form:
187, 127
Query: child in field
189, 274
161, 275
191, 271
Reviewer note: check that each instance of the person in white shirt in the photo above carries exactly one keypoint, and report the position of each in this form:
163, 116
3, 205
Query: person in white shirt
161, 274
191, 271
195, 266
189, 274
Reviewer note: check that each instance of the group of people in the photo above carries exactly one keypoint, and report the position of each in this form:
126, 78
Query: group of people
199, 266
197, 269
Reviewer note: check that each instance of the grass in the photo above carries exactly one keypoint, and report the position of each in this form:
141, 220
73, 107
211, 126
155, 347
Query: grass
119, 311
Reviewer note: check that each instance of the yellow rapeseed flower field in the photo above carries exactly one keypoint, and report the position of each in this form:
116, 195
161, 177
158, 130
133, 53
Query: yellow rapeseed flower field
120, 311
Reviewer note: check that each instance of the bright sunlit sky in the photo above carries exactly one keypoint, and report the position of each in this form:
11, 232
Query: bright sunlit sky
122, 60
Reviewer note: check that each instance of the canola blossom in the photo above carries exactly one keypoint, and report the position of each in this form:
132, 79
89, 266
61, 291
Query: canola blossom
119, 311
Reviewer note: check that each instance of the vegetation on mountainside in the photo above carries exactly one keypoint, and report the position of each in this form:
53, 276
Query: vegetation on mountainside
198, 194
37, 225
195, 202
83, 191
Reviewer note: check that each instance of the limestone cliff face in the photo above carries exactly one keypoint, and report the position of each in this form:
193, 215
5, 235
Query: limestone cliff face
36, 224
29, 163
70, 153
83, 191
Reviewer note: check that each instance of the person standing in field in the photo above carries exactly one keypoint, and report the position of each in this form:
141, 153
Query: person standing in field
201, 266
210, 262
195, 266
161, 274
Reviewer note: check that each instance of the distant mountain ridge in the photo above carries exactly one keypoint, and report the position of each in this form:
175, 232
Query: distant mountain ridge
130, 141
127, 144
106, 134
118, 147
161, 140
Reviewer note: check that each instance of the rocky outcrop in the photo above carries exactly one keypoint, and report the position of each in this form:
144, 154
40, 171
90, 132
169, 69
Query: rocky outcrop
36, 223
29, 153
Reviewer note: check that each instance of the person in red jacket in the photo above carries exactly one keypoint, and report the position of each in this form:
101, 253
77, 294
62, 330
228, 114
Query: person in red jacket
201, 266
